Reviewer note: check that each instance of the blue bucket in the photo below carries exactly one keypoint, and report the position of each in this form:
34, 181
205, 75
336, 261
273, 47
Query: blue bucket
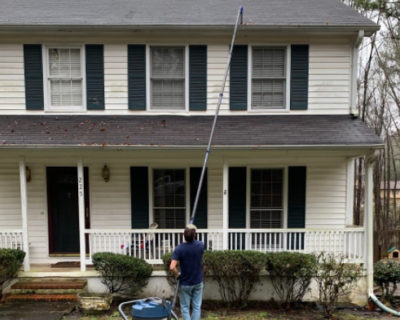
151, 308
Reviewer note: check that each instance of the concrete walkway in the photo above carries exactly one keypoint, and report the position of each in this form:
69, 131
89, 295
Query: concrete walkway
35, 310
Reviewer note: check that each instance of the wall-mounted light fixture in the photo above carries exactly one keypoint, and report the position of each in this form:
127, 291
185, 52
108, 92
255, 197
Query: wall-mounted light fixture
105, 173
28, 174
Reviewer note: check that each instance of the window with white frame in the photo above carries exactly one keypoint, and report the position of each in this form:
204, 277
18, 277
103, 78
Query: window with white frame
266, 198
167, 78
169, 200
65, 78
268, 80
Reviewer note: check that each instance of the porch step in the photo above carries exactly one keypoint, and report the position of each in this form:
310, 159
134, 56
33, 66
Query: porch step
46, 290
41, 297
50, 284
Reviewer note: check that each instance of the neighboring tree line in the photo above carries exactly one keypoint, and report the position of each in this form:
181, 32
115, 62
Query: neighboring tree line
379, 107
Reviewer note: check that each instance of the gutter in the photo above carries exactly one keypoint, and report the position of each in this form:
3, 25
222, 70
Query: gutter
369, 28
354, 72
190, 147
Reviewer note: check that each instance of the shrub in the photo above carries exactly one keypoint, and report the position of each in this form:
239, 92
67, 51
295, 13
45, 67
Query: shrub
166, 262
387, 275
291, 274
122, 274
335, 278
236, 273
10, 262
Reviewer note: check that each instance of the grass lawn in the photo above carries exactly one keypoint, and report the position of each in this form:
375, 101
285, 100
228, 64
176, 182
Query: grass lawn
256, 315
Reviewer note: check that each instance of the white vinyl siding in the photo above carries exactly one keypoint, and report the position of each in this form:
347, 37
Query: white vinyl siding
12, 85
64, 78
167, 78
115, 77
268, 78
110, 202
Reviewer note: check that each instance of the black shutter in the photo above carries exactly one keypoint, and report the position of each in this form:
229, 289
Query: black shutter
201, 213
33, 76
299, 77
140, 197
237, 197
95, 76
137, 76
197, 78
238, 78
297, 205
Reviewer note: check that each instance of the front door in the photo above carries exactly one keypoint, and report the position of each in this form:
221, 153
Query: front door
63, 212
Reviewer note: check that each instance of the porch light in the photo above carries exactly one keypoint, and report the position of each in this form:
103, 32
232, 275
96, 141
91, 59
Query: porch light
105, 173
28, 174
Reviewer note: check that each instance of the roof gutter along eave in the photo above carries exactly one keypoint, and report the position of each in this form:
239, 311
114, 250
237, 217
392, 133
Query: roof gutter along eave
192, 147
368, 28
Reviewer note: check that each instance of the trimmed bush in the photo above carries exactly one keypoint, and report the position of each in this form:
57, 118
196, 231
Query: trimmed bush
387, 276
10, 262
291, 274
236, 273
335, 279
166, 262
122, 274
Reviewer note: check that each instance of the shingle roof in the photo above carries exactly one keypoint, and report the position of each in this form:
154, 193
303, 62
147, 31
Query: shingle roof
184, 131
131, 13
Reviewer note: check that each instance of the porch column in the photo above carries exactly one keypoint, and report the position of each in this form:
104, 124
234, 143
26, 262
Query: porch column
81, 202
24, 212
225, 205
369, 223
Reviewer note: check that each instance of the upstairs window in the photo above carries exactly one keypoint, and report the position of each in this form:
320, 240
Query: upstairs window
167, 78
64, 79
268, 81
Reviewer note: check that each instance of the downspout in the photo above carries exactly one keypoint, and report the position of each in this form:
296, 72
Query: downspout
354, 73
369, 219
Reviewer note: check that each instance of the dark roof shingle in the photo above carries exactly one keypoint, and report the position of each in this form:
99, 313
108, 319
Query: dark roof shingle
178, 131
131, 13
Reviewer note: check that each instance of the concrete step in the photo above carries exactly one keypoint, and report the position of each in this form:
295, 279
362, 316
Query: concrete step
41, 297
45, 291
50, 285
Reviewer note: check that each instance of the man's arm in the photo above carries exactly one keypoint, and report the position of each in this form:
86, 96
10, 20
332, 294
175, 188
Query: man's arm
173, 267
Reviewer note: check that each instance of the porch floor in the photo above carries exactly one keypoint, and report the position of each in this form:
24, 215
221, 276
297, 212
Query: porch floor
46, 270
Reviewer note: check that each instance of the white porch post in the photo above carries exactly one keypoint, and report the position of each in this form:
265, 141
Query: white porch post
369, 223
225, 205
24, 212
81, 201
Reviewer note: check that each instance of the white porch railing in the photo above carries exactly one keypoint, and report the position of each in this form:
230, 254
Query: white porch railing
11, 239
152, 244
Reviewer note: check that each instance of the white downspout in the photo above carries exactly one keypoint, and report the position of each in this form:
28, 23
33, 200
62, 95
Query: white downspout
354, 72
369, 222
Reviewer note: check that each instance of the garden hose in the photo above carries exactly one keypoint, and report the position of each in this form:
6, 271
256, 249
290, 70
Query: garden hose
382, 306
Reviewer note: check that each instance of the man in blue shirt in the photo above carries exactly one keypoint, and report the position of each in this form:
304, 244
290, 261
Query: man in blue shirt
189, 256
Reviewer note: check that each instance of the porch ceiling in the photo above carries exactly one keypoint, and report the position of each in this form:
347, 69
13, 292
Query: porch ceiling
254, 131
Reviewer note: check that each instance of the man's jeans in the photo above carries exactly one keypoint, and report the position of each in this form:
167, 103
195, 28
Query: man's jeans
194, 294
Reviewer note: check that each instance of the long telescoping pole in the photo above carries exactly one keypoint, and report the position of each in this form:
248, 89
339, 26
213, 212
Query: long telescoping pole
239, 20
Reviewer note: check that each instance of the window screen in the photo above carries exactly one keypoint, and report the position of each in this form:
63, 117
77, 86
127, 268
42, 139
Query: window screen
268, 78
169, 198
65, 77
168, 78
266, 203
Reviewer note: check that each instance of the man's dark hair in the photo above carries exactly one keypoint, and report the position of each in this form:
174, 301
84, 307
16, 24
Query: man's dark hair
189, 234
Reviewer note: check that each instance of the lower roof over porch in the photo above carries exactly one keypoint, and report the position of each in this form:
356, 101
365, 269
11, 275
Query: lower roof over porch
169, 131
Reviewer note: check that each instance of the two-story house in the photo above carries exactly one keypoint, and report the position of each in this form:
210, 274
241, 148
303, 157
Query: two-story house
106, 108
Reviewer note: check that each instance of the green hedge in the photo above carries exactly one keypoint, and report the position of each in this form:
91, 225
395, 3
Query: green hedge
10, 262
122, 273
387, 276
291, 274
236, 273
